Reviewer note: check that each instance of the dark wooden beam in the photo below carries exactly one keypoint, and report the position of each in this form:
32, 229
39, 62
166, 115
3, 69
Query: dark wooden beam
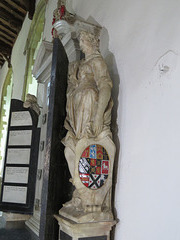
31, 9
4, 54
6, 41
25, 4
7, 30
10, 24
6, 58
9, 17
15, 5
10, 38
8, 9
5, 49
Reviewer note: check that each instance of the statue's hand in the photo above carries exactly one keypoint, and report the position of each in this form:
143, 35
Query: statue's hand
97, 125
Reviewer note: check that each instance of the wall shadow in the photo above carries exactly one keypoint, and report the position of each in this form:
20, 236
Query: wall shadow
113, 71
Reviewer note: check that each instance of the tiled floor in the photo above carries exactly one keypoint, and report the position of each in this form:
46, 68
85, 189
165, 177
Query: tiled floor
2, 222
15, 234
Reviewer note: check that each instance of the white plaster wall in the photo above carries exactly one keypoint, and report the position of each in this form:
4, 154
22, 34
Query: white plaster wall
51, 6
3, 73
18, 60
144, 37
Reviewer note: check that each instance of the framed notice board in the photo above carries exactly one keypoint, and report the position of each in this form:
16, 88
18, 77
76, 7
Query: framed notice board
20, 167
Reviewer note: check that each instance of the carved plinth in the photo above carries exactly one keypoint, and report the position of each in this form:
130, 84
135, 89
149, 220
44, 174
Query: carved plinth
70, 230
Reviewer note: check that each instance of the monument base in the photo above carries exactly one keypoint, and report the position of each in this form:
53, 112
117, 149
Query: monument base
15, 220
70, 230
71, 213
34, 223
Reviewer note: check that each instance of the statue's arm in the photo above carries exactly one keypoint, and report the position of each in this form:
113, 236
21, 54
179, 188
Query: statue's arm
104, 85
104, 97
72, 76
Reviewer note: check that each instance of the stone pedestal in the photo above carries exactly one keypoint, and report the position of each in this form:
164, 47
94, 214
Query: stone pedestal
14, 220
70, 230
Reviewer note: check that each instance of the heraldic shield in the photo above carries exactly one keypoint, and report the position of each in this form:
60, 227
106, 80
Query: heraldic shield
93, 174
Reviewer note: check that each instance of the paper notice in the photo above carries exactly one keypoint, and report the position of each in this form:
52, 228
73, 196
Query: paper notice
16, 175
14, 194
20, 137
18, 155
22, 118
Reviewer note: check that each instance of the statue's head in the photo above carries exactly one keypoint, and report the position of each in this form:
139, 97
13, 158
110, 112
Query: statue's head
31, 98
88, 40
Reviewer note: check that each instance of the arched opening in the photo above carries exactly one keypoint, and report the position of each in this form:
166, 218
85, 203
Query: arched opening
32, 45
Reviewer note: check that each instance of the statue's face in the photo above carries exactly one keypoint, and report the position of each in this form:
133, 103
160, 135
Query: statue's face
85, 44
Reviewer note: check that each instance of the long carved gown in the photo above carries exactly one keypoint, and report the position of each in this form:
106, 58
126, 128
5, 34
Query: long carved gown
85, 82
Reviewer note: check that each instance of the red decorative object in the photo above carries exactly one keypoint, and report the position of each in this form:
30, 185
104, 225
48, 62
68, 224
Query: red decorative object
62, 11
60, 15
53, 21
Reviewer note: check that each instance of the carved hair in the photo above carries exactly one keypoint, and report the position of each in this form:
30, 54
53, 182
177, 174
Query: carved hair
92, 38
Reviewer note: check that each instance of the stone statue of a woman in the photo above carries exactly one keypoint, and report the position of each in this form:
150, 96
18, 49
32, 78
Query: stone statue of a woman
89, 100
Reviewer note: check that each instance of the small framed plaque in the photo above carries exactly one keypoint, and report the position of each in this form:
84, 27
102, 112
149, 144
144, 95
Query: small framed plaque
21, 118
20, 167
20, 137
18, 155
16, 175
14, 194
